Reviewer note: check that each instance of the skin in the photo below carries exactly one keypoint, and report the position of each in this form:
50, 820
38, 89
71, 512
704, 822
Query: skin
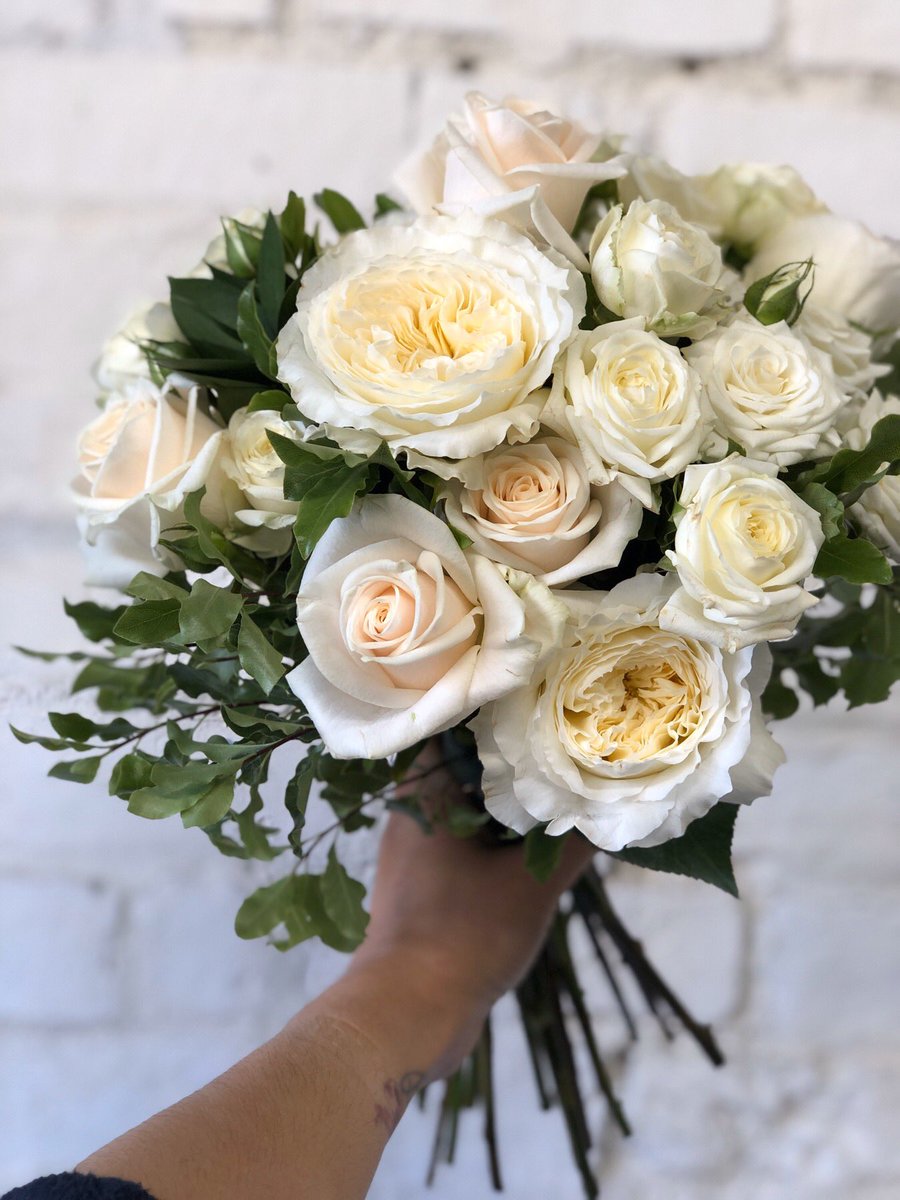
453, 926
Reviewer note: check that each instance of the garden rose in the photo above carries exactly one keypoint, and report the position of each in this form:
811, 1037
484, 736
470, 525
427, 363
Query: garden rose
877, 512
848, 347
744, 547
632, 403
434, 336
146, 451
857, 273
253, 465
406, 633
629, 732
536, 510
770, 390
495, 155
122, 362
754, 200
648, 262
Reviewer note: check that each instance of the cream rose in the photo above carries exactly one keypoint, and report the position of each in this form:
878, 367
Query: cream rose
745, 546
770, 390
754, 200
629, 732
632, 403
252, 463
138, 459
536, 510
877, 512
857, 273
433, 336
500, 158
648, 262
848, 347
406, 633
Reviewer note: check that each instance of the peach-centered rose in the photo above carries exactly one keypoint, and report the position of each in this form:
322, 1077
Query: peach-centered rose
535, 509
407, 634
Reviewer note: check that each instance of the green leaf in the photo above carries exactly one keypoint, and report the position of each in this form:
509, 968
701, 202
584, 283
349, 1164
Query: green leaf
77, 770
342, 897
258, 656
385, 204
269, 401
828, 506
851, 470
175, 788
79, 728
853, 559
253, 333
212, 805
95, 621
205, 311
131, 772
149, 623
542, 853
868, 681
255, 837
296, 798
702, 852
781, 295
779, 701
47, 743
339, 211
145, 586
270, 279
208, 612
324, 485
292, 223
264, 910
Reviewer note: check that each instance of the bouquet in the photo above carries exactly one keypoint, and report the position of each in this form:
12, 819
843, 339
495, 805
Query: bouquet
580, 465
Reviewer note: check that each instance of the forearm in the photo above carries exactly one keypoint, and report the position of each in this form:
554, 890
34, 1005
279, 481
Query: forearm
309, 1113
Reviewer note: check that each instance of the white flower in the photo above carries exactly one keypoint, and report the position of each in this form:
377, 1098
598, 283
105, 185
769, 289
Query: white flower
536, 510
122, 362
139, 458
406, 633
754, 200
652, 178
512, 158
770, 390
857, 273
433, 336
629, 732
647, 261
633, 405
744, 548
257, 470
849, 348
877, 512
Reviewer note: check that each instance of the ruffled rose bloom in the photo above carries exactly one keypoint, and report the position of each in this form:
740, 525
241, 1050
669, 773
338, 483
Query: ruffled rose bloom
848, 347
535, 509
648, 262
857, 273
252, 463
633, 405
745, 546
877, 512
512, 158
628, 732
433, 336
754, 200
770, 390
122, 362
406, 633
139, 459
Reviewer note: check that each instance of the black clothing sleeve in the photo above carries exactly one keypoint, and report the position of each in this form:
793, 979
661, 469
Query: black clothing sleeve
78, 1187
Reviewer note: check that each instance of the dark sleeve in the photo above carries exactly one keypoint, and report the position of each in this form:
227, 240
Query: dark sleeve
78, 1187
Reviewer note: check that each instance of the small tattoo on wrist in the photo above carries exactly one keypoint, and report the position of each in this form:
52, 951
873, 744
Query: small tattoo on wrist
397, 1094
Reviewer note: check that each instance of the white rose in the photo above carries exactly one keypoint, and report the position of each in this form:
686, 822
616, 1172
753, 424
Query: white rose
754, 200
122, 362
406, 633
146, 451
770, 390
857, 273
652, 178
745, 546
629, 732
497, 157
252, 463
848, 347
633, 405
877, 512
647, 261
433, 336
536, 510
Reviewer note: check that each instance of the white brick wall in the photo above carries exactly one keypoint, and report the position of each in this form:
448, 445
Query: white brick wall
128, 126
